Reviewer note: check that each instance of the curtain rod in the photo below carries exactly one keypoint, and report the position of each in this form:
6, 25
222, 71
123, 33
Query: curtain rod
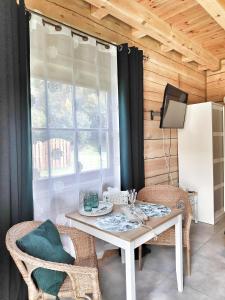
58, 26
120, 48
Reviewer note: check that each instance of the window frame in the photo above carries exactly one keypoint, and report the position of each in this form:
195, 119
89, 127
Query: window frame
85, 175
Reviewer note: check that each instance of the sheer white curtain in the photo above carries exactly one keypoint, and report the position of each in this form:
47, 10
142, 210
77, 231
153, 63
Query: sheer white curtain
74, 118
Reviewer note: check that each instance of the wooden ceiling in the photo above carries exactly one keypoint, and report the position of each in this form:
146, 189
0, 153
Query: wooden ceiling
195, 18
193, 28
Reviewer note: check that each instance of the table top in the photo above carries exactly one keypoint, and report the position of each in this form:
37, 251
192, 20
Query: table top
131, 235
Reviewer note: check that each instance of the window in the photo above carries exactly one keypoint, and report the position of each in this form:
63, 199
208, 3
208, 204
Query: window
71, 127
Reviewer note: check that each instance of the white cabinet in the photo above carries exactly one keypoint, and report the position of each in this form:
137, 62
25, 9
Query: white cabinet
201, 158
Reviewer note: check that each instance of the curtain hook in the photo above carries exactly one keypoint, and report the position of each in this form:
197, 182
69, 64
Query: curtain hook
129, 50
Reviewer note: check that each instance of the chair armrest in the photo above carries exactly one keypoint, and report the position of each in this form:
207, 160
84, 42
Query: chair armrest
83, 243
55, 266
73, 269
78, 275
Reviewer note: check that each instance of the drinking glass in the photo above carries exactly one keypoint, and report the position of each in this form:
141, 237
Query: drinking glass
87, 200
94, 199
132, 198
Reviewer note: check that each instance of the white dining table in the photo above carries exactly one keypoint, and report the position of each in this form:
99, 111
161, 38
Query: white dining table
130, 240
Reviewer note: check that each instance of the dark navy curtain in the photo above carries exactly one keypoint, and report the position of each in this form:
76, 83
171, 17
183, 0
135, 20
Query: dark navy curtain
130, 84
16, 202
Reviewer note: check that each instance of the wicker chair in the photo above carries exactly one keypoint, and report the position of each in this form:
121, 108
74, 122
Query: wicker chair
82, 278
172, 197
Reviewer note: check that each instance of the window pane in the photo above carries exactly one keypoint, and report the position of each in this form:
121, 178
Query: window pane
61, 147
103, 103
105, 150
60, 105
40, 154
88, 151
87, 108
38, 108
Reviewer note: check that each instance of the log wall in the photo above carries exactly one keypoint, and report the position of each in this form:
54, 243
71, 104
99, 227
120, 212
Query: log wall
216, 84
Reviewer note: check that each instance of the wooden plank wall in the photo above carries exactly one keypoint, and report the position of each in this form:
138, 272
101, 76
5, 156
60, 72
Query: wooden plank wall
161, 68
156, 77
216, 84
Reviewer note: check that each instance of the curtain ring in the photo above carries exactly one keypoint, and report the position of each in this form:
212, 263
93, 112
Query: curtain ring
129, 50
57, 26
85, 38
28, 14
120, 48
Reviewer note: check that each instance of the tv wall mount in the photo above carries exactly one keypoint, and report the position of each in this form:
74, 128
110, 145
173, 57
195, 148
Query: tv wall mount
155, 114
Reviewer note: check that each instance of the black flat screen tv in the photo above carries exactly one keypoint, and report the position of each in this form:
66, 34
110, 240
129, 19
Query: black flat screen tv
174, 107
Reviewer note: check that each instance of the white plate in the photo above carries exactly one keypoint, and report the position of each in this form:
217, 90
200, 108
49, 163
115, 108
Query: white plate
103, 209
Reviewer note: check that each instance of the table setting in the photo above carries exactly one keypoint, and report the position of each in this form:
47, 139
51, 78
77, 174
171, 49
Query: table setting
132, 214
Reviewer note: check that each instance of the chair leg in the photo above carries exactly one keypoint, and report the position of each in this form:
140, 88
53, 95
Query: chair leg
188, 261
140, 258
97, 296
32, 295
46, 297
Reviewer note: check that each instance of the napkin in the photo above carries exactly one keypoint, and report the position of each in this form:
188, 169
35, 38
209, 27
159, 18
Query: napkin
134, 216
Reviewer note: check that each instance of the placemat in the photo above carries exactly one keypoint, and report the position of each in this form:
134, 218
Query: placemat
117, 223
154, 210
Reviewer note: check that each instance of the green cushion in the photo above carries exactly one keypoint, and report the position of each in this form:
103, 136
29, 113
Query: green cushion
44, 242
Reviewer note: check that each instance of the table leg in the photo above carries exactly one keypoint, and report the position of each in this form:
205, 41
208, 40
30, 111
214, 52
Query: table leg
196, 208
179, 253
130, 274
123, 256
